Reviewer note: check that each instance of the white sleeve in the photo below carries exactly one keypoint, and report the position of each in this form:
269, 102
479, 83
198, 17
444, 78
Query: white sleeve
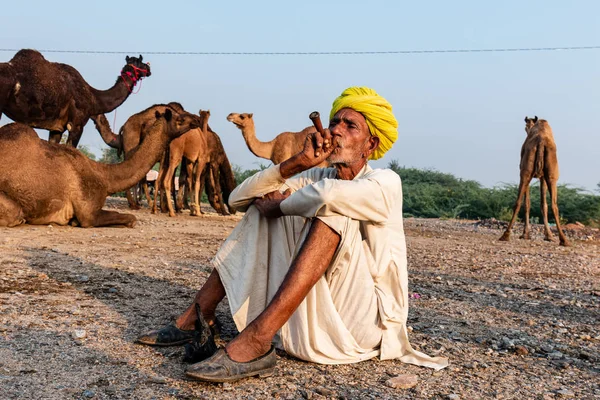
257, 185
267, 181
370, 198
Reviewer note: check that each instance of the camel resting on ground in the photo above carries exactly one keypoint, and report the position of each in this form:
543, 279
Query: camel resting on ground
75, 193
284, 146
538, 160
55, 96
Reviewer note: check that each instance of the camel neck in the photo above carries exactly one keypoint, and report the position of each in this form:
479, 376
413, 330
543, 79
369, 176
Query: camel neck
108, 100
127, 173
258, 148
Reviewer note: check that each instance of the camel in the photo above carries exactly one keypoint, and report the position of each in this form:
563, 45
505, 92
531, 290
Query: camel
193, 147
130, 135
76, 190
538, 160
217, 175
284, 146
55, 96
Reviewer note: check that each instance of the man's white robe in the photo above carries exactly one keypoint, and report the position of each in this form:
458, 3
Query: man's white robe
358, 309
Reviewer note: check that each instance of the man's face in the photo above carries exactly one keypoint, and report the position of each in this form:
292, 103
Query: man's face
350, 136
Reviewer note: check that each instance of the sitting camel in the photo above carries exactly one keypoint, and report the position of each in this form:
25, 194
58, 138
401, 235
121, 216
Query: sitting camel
538, 160
284, 146
75, 193
131, 134
55, 96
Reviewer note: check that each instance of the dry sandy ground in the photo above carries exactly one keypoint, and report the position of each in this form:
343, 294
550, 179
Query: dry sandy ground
517, 320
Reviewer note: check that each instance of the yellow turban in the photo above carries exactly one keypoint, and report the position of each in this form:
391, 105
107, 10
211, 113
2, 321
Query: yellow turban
376, 110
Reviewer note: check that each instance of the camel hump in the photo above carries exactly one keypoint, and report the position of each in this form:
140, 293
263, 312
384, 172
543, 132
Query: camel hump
16, 130
28, 55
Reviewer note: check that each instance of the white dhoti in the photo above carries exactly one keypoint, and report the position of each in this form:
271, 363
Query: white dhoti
346, 317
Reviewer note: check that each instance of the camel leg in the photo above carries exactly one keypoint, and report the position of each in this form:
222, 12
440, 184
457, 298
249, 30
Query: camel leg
158, 183
147, 192
552, 188
506, 236
11, 213
108, 218
210, 188
215, 177
54, 137
133, 204
185, 179
544, 208
174, 160
75, 135
526, 226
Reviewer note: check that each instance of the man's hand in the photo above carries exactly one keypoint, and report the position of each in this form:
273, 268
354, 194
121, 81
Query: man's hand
268, 205
317, 148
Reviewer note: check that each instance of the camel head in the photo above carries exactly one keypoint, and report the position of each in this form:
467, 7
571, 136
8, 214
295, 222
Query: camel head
135, 68
178, 123
241, 120
530, 122
176, 106
205, 113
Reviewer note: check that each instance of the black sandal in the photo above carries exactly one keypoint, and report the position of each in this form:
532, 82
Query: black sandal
203, 345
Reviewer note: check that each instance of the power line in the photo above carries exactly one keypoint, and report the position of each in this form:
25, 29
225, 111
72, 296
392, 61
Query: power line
315, 53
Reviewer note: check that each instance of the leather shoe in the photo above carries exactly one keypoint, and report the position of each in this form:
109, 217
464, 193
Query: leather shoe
170, 335
221, 368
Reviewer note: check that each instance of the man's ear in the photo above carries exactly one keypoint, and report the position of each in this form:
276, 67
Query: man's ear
373, 144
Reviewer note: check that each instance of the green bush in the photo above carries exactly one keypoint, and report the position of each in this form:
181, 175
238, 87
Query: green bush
433, 194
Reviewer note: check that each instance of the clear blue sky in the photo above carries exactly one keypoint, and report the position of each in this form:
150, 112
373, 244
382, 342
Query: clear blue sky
458, 113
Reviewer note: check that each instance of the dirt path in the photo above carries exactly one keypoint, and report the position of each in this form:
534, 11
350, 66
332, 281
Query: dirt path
517, 320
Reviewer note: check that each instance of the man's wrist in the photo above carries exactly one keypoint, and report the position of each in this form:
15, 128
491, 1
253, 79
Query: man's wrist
293, 165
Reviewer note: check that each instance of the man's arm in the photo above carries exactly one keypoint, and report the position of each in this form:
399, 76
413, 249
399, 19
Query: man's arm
371, 198
316, 150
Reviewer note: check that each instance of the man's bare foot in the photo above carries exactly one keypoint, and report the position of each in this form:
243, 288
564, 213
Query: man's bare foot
248, 345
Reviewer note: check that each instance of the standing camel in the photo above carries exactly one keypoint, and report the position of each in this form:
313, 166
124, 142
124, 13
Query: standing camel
75, 193
538, 160
284, 146
131, 134
193, 148
55, 96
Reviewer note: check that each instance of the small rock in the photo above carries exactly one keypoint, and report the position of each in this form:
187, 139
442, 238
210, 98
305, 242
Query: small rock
453, 396
324, 392
157, 379
506, 343
83, 278
521, 350
88, 393
112, 290
555, 355
79, 334
227, 386
405, 381
546, 348
306, 394
565, 393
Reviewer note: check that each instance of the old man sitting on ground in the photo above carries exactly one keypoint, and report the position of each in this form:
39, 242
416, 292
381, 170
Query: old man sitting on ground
317, 265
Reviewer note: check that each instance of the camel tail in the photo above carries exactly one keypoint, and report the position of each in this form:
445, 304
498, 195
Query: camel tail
538, 168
